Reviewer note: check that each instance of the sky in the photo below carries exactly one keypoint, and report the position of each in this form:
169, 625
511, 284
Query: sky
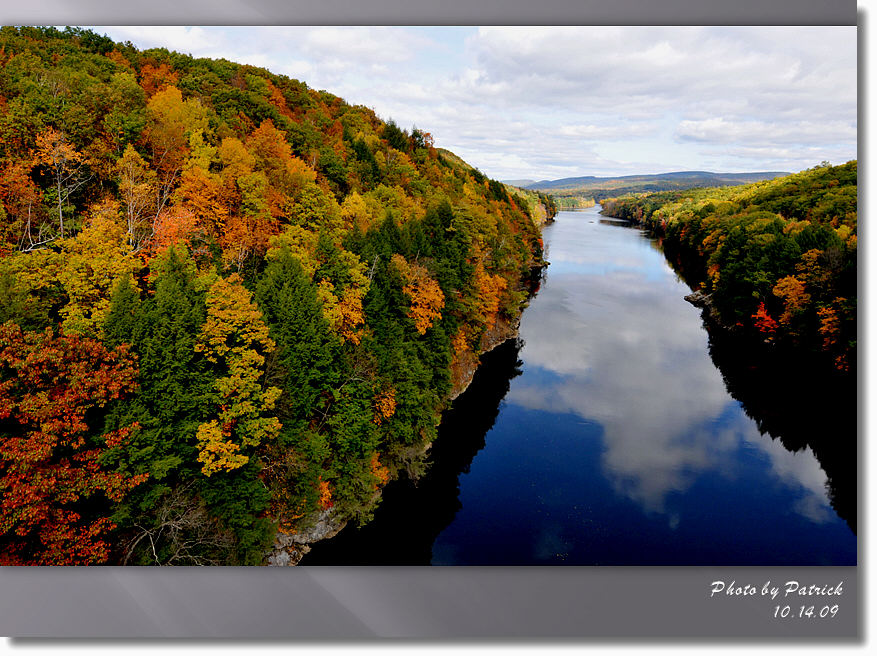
543, 103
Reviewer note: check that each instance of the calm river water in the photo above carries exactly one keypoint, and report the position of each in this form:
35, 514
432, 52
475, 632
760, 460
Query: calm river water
607, 436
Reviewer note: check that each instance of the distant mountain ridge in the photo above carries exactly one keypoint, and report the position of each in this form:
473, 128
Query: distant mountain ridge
581, 191
676, 176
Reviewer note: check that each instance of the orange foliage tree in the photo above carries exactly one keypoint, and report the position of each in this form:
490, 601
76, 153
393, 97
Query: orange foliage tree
427, 299
23, 222
829, 326
490, 289
157, 78
274, 156
200, 193
379, 471
792, 291
175, 226
325, 495
764, 322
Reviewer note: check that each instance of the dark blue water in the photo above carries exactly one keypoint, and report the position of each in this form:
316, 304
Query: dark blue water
607, 436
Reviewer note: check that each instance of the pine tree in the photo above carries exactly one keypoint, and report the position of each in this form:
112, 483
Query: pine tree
307, 352
174, 381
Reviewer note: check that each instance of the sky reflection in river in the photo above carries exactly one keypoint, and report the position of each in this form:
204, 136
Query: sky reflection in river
616, 362
627, 351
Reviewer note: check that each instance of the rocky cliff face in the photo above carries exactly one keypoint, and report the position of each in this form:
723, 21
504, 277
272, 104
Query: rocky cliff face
290, 548
709, 313
464, 367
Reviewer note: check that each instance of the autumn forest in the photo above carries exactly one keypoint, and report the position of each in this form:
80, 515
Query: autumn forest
230, 305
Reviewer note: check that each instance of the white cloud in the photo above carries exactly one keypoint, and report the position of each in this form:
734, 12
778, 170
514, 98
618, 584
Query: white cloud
721, 130
606, 131
544, 102
377, 45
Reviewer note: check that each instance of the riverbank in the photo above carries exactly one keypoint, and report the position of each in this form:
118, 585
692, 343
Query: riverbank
606, 435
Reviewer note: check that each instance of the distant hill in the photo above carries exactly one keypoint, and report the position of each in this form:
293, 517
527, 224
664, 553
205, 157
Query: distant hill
598, 188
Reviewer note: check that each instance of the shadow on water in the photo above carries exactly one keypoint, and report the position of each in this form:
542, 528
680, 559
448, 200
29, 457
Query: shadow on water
412, 515
798, 405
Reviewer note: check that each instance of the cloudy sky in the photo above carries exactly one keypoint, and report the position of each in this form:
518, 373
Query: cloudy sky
553, 102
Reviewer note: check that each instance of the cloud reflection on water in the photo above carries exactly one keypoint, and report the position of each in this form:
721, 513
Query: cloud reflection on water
617, 344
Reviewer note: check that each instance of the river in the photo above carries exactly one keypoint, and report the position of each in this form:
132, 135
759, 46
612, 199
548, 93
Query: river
607, 435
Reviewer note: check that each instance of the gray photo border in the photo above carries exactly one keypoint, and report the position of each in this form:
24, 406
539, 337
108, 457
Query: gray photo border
344, 604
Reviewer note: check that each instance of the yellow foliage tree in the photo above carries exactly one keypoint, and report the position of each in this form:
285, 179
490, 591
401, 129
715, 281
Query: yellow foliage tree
235, 337
343, 310
355, 212
201, 153
138, 187
792, 291
460, 340
236, 160
351, 313
170, 123
810, 269
301, 243
93, 263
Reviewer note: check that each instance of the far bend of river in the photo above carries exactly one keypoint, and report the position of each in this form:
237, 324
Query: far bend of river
607, 436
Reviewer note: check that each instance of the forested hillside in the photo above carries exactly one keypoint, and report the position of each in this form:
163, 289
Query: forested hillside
228, 302
542, 207
777, 258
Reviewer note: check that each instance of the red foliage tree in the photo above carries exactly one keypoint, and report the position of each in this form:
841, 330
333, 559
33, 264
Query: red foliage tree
765, 323
53, 485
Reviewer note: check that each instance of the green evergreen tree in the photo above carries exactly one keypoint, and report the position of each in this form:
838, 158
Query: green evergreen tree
173, 381
122, 318
307, 351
